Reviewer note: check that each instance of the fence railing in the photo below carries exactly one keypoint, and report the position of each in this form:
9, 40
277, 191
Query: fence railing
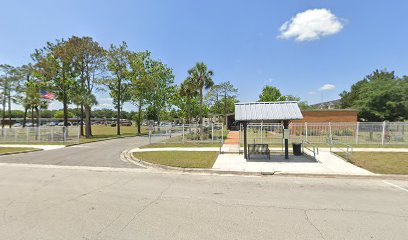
40, 135
187, 133
358, 133
311, 147
341, 146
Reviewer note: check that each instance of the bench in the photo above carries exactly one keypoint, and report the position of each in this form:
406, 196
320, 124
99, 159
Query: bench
261, 149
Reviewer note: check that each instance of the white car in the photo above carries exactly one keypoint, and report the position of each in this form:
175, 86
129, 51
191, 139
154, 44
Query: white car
61, 124
17, 125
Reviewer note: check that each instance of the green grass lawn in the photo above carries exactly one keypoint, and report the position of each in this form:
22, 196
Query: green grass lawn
6, 150
181, 145
101, 132
179, 158
379, 162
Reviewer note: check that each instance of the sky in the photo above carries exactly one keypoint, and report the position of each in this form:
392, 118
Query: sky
313, 49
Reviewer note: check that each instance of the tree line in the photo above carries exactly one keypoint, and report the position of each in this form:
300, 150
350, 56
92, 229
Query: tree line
380, 96
77, 68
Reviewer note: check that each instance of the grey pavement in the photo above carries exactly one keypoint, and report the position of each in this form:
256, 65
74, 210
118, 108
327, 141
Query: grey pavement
59, 203
101, 154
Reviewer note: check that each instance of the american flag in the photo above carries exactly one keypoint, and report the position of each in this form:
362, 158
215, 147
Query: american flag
47, 95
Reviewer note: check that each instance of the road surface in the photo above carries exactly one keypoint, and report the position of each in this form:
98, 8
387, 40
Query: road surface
59, 203
102, 154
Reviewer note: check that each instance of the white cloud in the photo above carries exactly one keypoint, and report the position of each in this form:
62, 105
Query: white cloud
310, 25
327, 87
312, 93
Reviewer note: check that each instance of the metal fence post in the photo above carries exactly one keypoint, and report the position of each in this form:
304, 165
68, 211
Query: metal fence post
64, 130
383, 133
52, 134
261, 132
28, 136
212, 132
79, 132
357, 131
183, 132
39, 133
15, 135
306, 131
330, 134
222, 134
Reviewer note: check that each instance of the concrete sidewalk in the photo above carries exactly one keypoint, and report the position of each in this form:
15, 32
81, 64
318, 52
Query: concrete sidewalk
43, 147
327, 163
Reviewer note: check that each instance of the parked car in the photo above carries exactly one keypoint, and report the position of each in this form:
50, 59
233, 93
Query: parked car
52, 124
61, 124
17, 125
29, 124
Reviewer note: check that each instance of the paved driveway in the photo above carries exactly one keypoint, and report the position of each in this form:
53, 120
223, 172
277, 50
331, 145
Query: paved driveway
97, 154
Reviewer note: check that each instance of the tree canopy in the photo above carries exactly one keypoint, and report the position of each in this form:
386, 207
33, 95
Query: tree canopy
379, 96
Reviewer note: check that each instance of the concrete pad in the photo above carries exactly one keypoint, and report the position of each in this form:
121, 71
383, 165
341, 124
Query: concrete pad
327, 163
43, 147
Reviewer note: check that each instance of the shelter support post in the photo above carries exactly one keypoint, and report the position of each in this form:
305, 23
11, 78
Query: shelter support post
244, 125
286, 126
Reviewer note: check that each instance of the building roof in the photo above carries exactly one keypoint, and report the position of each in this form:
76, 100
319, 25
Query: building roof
267, 111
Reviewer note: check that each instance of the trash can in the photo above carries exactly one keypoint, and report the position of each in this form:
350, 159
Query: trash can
297, 149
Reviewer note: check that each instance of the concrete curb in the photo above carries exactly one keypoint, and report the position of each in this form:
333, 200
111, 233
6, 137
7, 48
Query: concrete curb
128, 157
19, 152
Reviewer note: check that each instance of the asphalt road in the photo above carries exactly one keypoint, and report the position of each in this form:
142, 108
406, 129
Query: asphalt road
38, 202
102, 154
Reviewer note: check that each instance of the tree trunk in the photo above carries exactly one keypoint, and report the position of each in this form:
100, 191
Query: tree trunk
4, 111
65, 108
32, 116
201, 106
81, 123
139, 117
225, 108
189, 111
37, 114
88, 125
118, 105
25, 116
9, 108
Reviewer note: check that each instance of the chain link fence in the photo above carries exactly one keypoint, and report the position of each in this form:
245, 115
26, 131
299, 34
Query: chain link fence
359, 133
189, 133
40, 135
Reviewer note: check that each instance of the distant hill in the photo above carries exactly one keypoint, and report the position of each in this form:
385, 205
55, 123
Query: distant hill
327, 105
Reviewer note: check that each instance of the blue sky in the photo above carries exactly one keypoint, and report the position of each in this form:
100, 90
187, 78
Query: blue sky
241, 41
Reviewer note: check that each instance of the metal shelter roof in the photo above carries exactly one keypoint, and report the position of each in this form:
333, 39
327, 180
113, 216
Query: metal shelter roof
267, 111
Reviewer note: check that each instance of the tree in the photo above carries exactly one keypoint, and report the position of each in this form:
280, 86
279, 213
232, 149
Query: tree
379, 96
302, 104
9, 84
222, 95
203, 79
90, 63
271, 94
187, 91
55, 66
162, 80
61, 114
117, 83
140, 76
33, 101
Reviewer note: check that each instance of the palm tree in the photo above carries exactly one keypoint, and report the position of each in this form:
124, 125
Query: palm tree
203, 79
188, 89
